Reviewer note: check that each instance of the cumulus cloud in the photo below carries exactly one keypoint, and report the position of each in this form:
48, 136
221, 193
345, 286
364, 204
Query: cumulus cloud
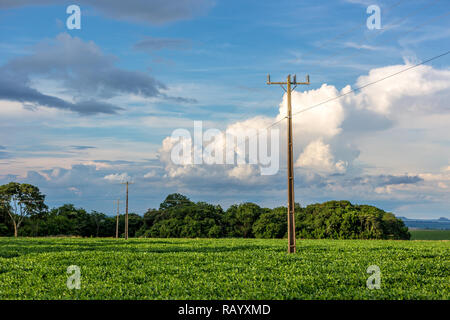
322, 122
440, 179
318, 124
149, 11
328, 139
317, 156
242, 172
407, 92
150, 174
221, 150
117, 177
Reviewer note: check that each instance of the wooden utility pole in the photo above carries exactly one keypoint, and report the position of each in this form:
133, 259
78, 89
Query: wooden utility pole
117, 220
290, 160
126, 212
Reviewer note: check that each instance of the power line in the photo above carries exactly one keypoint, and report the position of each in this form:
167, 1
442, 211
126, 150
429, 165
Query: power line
372, 83
355, 54
344, 94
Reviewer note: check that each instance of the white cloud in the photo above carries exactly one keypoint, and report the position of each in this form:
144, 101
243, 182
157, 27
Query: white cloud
242, 172
321, 122
320, 142
116, 177
317, 156
150, 174
75, 191
362, 46
414, 89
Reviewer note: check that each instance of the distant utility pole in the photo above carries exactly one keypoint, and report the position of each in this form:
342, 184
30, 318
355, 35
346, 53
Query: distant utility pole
117, 220
290, 160
126, 211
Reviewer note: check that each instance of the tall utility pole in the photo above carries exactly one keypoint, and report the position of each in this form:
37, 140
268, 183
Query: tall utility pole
117, 220
126, 212
290, 160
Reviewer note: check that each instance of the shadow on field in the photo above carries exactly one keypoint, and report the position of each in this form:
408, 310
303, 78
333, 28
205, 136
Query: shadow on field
19, 247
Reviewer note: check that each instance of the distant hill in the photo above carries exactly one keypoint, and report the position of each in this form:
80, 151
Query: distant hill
441, 223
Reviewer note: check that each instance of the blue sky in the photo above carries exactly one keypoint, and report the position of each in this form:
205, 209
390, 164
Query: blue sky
80, 110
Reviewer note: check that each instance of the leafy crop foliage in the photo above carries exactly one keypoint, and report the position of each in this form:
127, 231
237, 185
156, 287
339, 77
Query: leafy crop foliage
36, 268
430, 234
179, 217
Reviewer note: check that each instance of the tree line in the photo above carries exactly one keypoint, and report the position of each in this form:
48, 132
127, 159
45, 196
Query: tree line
23, 213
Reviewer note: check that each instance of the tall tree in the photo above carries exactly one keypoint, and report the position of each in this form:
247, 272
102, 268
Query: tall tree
20, 201
175, 200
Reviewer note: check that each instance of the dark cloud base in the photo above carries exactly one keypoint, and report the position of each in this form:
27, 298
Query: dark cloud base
83, 70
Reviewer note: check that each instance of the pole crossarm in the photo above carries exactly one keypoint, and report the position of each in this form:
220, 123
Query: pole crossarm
294, 82
290, 158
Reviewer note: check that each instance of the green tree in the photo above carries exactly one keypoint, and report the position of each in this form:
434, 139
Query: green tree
20, 201
271, 224
175, 200
240, 219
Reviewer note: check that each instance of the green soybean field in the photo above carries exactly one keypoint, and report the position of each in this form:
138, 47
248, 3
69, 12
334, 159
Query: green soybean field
430, 234
203, 269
